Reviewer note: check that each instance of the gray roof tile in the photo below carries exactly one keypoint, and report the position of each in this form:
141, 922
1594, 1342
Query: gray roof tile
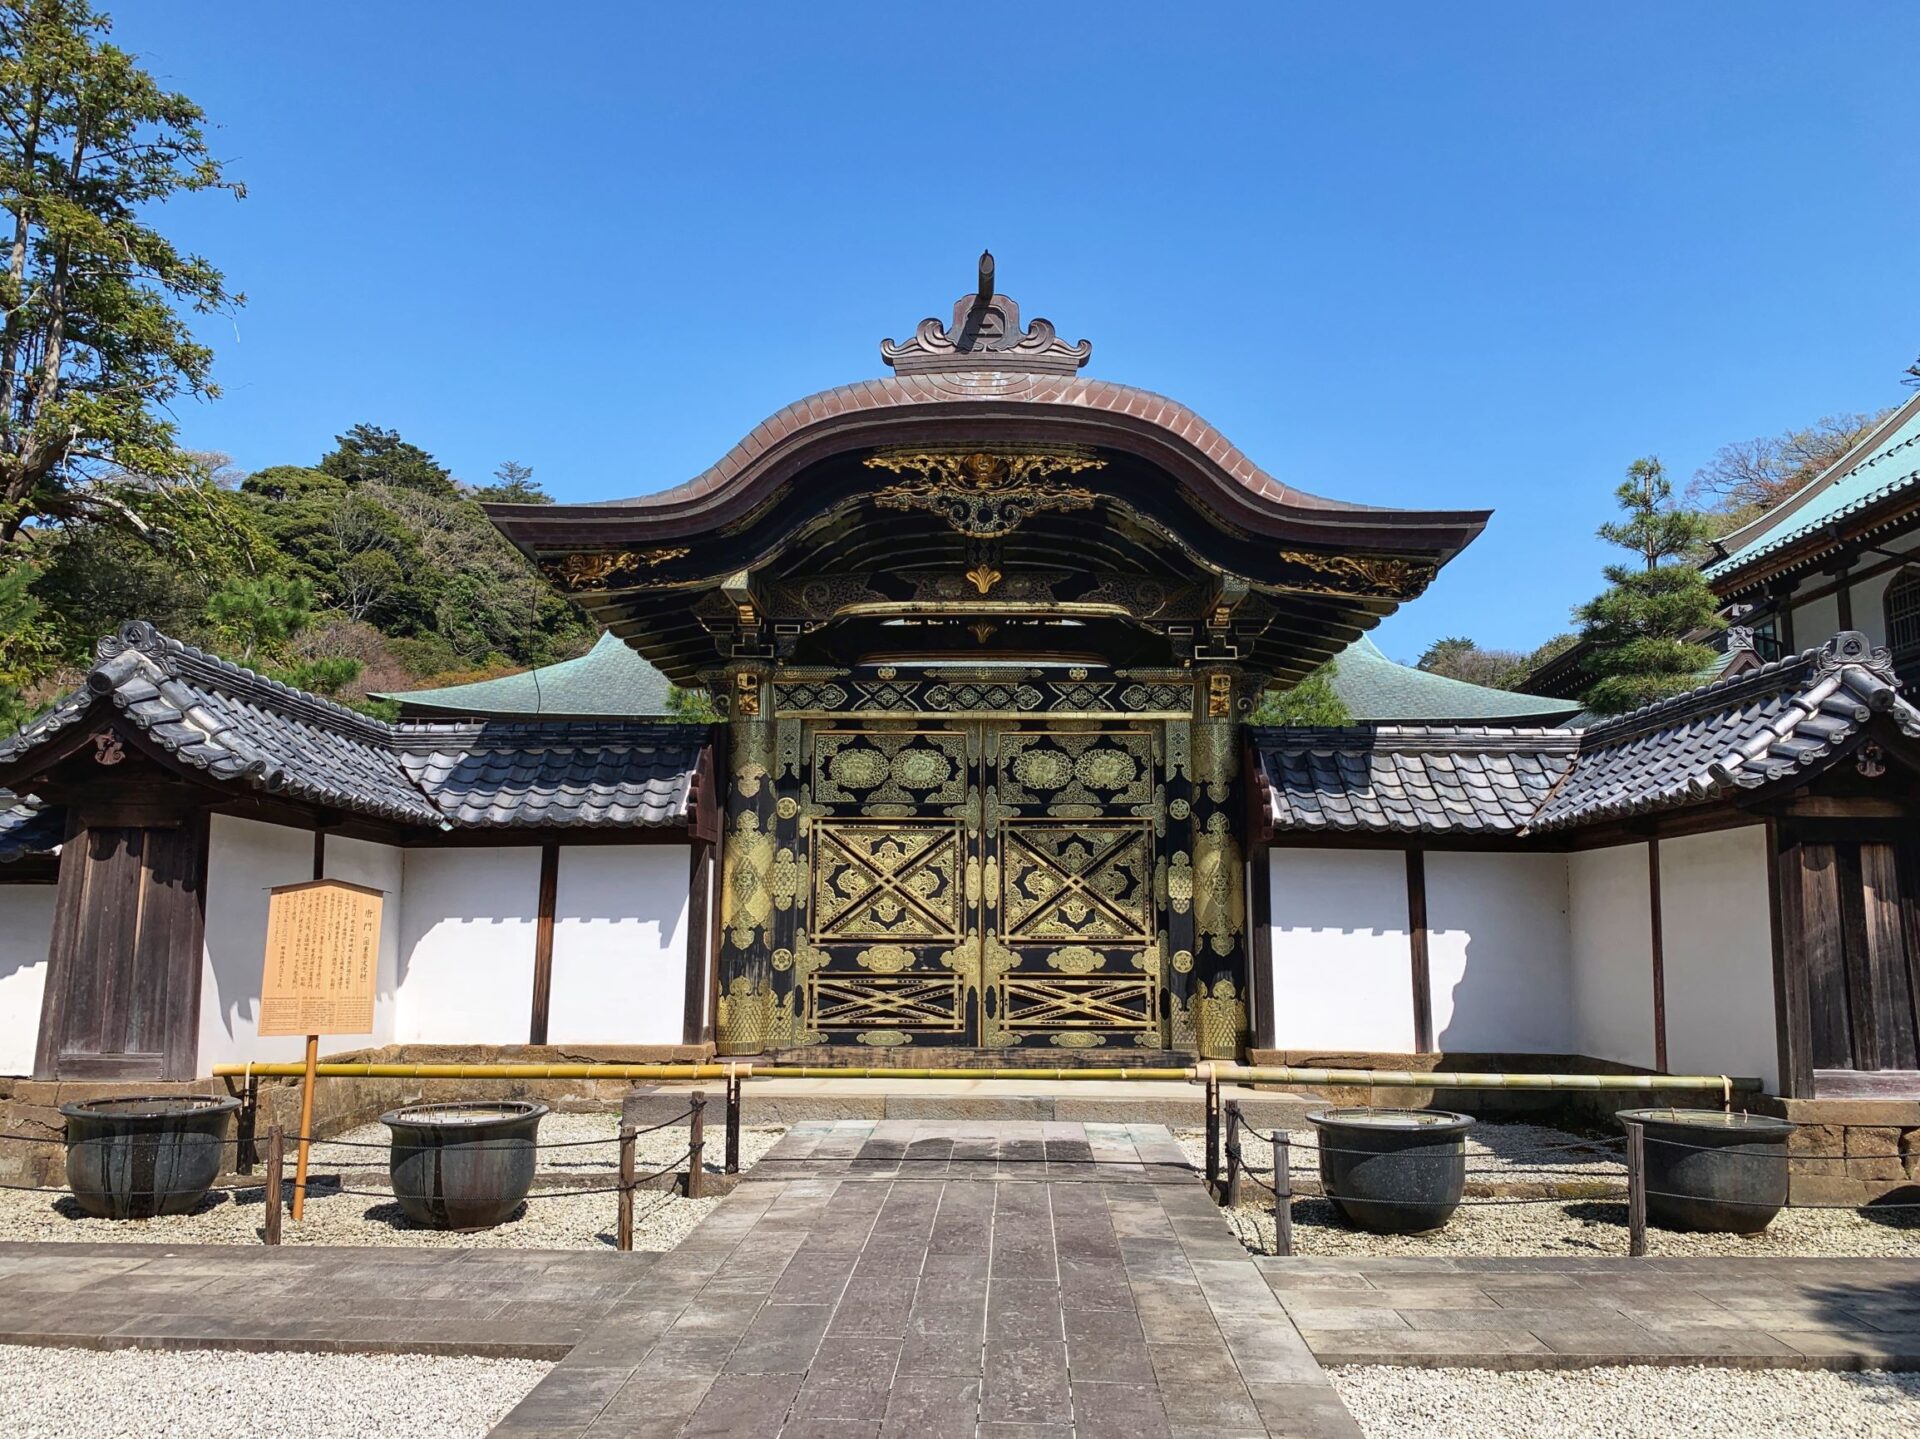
239, 727
1765, 726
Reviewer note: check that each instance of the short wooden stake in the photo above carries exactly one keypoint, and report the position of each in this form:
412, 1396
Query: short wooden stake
1231, 1199
696, 1141
276, 1175
733, 1122
1636, 1191
1282, 1192
246, 1153
1213, 1131
624, 1234
306, 1128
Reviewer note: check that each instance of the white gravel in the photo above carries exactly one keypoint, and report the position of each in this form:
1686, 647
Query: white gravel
1630, 1402
209, 1394
567, 1221
1498, 1156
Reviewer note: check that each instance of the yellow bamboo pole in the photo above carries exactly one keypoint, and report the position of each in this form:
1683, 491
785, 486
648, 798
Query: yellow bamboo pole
1286, 1075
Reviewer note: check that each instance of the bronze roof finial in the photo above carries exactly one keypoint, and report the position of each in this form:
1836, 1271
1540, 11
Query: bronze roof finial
985, 335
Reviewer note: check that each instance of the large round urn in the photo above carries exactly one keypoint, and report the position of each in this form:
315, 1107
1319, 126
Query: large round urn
144, 1155
1712, 1172
463, 1166
1393, 1171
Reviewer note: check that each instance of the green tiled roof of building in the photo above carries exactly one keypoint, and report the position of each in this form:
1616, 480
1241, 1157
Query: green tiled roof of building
609, 680
1884, 464
1375, 690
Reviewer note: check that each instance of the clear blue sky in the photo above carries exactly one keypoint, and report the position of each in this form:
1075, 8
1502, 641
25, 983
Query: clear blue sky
1404, 254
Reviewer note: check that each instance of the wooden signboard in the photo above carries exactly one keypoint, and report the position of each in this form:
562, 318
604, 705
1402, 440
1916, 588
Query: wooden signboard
323, 959
322, 974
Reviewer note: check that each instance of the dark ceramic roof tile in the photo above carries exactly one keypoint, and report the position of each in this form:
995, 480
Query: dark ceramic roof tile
28, 828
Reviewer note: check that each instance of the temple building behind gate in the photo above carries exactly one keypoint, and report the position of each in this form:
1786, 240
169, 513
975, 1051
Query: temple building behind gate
988, 635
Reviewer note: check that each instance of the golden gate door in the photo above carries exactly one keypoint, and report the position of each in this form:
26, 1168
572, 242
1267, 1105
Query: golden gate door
979, 883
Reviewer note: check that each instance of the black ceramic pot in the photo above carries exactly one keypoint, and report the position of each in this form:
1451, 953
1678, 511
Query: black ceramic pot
144, 1155
463, 1166
1713, 1172
1393, 1171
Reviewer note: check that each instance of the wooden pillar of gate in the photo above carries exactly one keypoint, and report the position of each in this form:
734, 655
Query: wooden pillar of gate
758, 876
1216, 984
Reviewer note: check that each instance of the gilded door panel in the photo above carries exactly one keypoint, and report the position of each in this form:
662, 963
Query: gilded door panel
1071, 840
985, 883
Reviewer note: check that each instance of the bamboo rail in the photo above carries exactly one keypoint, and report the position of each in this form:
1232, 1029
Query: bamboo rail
1277, 1074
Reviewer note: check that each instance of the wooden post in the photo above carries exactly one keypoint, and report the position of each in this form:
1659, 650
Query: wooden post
1213, 1130
1231, 1198
246, 1153
624, 1233
276, 1173
1636, 1191
1282, 1191
733, 1122
696, 1141
306, 1128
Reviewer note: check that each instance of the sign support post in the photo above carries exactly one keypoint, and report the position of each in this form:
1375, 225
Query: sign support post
322, 976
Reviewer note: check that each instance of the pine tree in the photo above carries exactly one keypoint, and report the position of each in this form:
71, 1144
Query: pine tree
1312, 702
1642, 626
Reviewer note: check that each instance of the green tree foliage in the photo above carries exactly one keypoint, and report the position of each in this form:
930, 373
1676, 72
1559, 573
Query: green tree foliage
1642, 627
369, 455
513, 484
25, 643
1311, 702
94, 347
692, 706
1459, 658
256, 618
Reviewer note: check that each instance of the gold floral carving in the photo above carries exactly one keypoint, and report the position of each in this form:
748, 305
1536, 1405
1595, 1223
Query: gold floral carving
983, 577
746, 695
1076, 1039
885, 958
1183, 961
984, 493
1179, 884
886, 1038
1076, 959
746, 892
783, 880
1215, 758
1388, 576
599, 571
1219, 907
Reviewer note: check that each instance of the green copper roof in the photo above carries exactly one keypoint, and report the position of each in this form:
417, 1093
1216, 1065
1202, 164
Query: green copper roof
1884, 465
1375, 690
607, 680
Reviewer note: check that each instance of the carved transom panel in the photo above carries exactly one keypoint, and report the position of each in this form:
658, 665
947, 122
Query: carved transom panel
1075, 775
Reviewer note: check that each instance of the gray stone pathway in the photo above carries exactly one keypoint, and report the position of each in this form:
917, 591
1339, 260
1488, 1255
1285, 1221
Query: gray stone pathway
1033, 1279
1563, 1313
996, 1280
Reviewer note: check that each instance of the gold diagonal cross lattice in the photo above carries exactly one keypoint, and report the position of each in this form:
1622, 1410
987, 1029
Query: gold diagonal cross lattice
885, 881
1049, 897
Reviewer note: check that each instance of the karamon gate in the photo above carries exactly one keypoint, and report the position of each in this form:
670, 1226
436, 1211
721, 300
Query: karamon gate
986, 633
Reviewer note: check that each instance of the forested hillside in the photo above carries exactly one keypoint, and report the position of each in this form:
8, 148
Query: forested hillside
369, 569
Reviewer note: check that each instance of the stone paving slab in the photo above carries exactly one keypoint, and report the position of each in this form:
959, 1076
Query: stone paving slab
1569, 1313
505, 1303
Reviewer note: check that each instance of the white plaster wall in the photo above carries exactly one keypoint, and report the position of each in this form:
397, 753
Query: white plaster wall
466, 943
245, 859
1342, 970
1497, 952
26, 927
1717, 948
1610, 938
620, 945
381, 867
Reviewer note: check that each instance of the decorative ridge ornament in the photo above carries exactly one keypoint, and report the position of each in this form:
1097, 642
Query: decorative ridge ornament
1851, 647
985, 335
984, 493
